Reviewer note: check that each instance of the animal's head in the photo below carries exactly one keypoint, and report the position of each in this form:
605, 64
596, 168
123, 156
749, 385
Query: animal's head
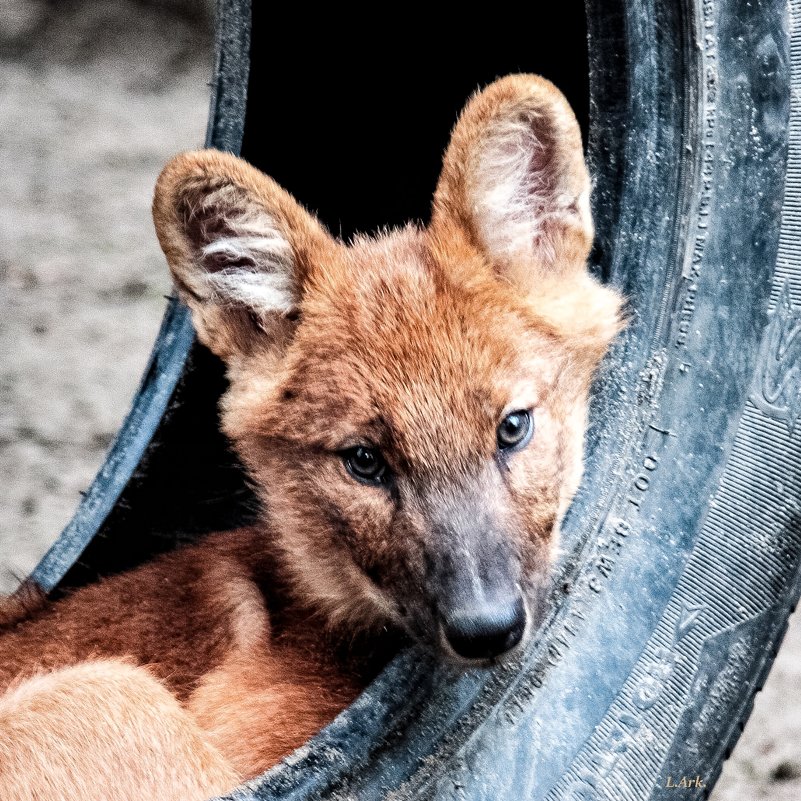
412, 406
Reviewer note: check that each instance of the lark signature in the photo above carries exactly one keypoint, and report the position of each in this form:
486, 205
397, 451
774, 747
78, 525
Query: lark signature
684, 783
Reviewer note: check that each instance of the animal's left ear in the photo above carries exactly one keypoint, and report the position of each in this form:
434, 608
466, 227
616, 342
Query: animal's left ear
514, 183
514, 177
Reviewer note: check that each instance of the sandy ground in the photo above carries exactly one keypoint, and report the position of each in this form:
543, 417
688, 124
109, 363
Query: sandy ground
94, 99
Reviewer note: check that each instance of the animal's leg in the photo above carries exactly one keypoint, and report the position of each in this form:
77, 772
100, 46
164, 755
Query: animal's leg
103, 731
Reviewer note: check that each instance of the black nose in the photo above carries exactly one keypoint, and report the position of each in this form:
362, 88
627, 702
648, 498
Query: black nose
486, 632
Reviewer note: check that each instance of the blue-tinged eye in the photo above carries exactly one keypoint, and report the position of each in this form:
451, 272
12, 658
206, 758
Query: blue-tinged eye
515, 430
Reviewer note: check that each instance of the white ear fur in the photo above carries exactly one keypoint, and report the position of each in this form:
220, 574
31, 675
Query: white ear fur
519, 194
251, 264
239, 248
514, 179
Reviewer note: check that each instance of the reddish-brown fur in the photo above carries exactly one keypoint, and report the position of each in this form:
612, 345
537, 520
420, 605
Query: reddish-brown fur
136, 750
417, 343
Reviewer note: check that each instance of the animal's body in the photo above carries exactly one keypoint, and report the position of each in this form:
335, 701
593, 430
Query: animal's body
412, 408
258, 676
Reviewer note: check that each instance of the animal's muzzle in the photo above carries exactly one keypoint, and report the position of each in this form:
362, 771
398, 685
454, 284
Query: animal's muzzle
486, 631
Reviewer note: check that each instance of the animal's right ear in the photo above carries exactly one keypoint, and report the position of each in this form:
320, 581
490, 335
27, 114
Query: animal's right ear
238, 247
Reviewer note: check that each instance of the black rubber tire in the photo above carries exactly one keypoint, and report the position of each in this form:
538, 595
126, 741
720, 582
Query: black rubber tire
683, 546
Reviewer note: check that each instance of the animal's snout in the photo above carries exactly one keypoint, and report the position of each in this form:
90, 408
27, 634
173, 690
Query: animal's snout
487, 631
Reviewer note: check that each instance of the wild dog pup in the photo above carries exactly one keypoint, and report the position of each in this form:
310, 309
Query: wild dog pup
412, 408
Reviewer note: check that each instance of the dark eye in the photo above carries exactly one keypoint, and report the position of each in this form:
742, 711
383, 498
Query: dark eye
515, 430
365, 464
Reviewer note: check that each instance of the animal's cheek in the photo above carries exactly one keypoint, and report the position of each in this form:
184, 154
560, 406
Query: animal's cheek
361, 513
533, 479
335, 513
535, 472
276, 467
367, 527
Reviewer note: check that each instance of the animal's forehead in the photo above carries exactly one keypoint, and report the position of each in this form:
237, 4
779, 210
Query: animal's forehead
395, 318
404, 349
396, 285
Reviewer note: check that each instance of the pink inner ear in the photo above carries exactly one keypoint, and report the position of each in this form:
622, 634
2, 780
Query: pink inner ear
547, 188
527, 188
239, 256
542, 165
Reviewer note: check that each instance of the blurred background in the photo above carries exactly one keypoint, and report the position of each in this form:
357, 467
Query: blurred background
96, 95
